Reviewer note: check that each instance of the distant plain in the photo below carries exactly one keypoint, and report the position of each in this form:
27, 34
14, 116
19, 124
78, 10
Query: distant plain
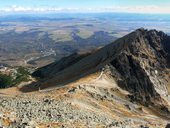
37, 40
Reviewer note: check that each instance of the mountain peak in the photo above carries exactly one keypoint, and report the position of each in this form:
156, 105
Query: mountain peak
141, 30
146, 32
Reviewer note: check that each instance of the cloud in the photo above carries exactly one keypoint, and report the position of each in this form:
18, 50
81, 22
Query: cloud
141, 9
129, 9
15, 8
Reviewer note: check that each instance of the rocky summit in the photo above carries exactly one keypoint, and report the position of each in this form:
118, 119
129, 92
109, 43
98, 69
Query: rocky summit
125, 84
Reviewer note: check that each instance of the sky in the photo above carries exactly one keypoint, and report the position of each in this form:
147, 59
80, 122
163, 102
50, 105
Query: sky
130, 6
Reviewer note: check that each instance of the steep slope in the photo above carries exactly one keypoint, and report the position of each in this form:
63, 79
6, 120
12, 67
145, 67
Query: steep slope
139, 62
143, 69
54, 68
144, 65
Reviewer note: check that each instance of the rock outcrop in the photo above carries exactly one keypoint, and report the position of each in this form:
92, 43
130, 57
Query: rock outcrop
143, 66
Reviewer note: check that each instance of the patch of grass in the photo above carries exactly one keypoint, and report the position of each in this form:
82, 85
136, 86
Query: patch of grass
5, 80
61, 35
85, 33
21, 75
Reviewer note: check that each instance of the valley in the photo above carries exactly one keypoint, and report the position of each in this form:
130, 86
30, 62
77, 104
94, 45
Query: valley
42, 39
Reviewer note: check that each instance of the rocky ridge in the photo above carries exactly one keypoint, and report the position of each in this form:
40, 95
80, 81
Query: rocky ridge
142, 68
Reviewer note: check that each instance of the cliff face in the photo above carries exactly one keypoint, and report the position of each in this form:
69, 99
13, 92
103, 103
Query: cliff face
143, 66
139, 62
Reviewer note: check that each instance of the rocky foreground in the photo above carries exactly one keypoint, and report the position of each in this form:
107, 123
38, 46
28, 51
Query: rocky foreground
19, 112
78, 105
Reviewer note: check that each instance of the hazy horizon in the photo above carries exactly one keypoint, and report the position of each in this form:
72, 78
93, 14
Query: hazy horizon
79, 6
